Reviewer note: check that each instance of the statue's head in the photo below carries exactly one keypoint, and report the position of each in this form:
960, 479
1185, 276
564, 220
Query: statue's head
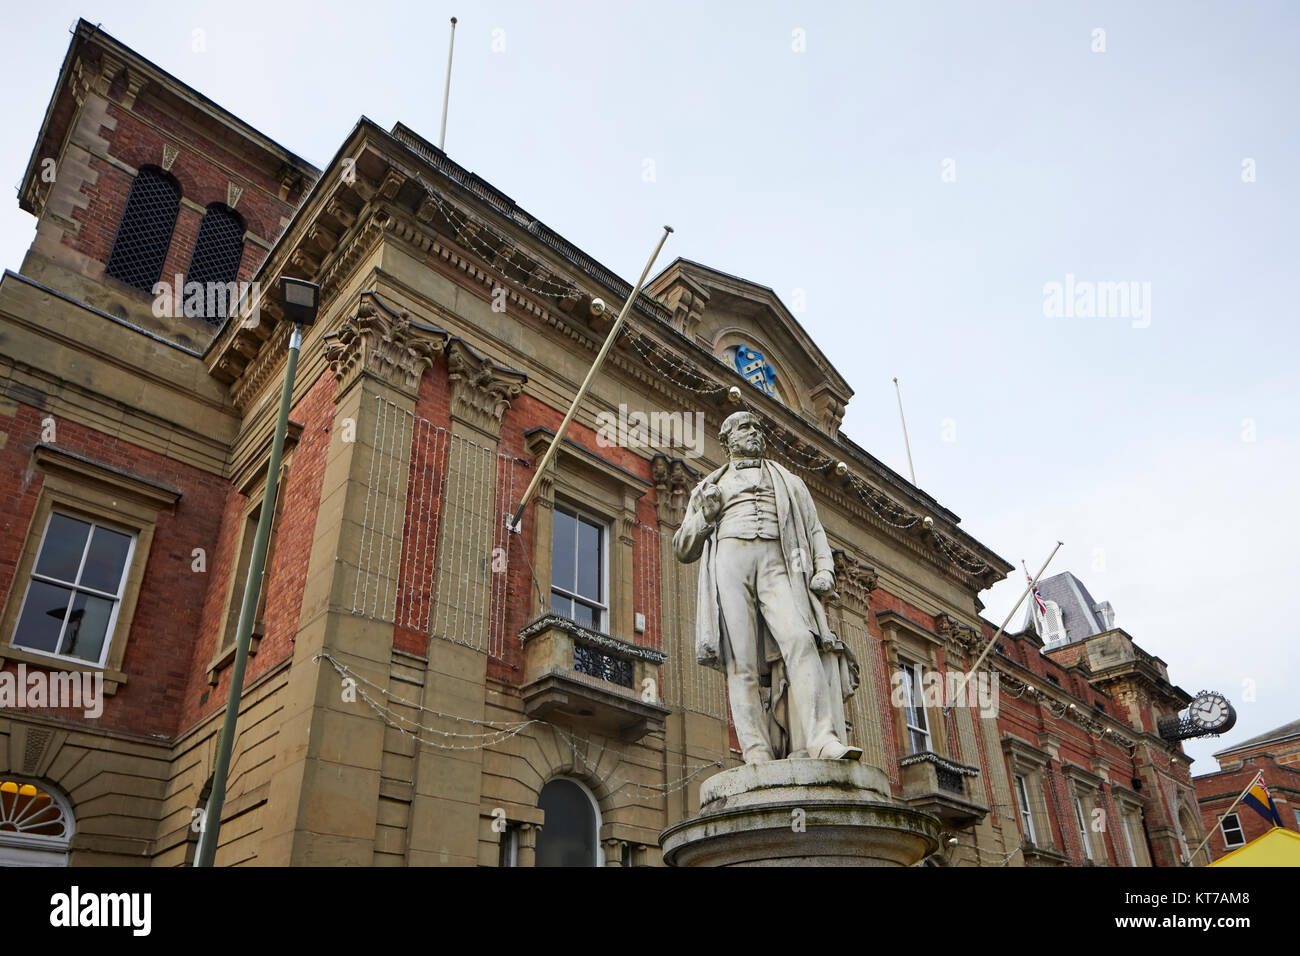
742, 436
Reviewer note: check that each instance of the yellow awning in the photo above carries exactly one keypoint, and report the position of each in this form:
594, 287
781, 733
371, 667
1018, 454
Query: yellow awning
1277, 847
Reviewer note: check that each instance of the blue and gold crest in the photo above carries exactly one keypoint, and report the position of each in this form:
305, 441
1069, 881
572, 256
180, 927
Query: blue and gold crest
751, 364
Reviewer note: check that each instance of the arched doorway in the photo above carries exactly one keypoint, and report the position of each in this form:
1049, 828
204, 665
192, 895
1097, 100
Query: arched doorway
570, 835
36, 824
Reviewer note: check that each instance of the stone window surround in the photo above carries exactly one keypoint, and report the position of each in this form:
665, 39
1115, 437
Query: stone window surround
905, 640
100, 492
1029, 762
1129, 804
590, 484
1086, 786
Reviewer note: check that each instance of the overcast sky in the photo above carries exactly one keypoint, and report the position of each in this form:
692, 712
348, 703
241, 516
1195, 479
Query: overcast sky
915, 175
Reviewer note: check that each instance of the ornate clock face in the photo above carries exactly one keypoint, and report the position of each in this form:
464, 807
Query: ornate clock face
1210, 711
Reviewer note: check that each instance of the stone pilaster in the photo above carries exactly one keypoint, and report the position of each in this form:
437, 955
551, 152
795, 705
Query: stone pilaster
323, 808
445, 807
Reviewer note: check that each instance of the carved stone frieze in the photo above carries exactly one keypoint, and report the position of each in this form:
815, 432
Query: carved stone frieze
380, 342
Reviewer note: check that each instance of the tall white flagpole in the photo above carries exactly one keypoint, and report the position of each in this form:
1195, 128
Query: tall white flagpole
513, 522
446, 91
906, 444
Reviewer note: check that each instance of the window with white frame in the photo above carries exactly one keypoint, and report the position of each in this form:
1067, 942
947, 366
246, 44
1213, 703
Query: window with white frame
580, 568
75, 589
1082, 819
1026, 815
918, 730
1233, 835
1126, 824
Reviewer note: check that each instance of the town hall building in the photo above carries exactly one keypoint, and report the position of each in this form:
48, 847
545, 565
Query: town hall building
427, 686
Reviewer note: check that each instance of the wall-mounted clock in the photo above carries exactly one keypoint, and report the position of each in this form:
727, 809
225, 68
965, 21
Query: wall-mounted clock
1211, 713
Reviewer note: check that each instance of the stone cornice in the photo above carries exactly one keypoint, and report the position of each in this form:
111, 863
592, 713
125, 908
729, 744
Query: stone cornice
1024, 753
57, 461
1092, 723
344, 218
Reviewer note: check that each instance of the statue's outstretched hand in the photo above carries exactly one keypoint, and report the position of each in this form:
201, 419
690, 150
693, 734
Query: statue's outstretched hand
823, 582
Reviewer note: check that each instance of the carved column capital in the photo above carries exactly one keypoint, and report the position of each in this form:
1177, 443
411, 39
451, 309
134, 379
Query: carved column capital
958, 634
480, 391
673, 480
382, 343
854, 580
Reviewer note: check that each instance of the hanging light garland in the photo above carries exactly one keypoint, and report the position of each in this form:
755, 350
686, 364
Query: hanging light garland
467, 232
501, 731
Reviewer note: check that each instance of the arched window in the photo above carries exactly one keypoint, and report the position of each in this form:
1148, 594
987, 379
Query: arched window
570, 835
35, 825
217, 251
145, 231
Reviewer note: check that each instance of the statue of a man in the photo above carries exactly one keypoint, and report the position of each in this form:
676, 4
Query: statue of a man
758, 618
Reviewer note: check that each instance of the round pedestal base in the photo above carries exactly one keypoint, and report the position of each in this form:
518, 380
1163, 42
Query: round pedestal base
800, 812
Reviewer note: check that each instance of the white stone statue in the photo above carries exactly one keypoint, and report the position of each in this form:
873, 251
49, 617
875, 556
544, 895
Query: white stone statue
758, 618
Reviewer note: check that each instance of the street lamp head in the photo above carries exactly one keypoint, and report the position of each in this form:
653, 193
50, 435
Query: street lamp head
300, 300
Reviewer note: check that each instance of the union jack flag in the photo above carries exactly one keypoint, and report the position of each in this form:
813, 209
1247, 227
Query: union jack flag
1038, 598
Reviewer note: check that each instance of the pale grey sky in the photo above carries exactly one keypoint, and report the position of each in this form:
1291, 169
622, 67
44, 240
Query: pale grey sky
1161, 448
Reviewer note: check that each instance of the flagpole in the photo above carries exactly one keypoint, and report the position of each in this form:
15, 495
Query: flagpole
1219, 822
446, 91
965, 678
906, 444
513, 522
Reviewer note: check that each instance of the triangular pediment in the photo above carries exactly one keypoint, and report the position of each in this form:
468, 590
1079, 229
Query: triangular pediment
748, 327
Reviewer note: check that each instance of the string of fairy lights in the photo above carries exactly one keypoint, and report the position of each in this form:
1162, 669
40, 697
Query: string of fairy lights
498, 733
1062, 710
467, 233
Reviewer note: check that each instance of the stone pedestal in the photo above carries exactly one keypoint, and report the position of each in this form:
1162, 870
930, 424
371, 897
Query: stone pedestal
800, 812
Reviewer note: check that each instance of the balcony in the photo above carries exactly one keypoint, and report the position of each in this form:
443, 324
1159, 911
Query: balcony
591, 680
937, 786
